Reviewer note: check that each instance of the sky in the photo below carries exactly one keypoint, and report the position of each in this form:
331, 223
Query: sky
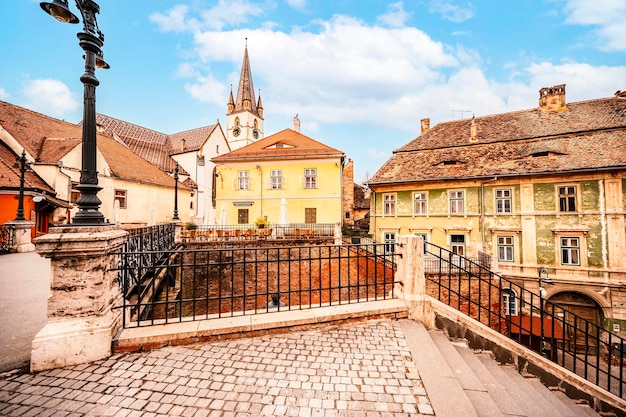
360, 74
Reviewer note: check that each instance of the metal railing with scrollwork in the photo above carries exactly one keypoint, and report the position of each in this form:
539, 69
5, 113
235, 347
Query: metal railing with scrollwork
6, 239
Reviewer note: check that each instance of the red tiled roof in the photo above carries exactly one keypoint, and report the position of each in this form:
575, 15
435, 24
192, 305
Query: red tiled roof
588, 135
156, 147
10, 175
286, 144
50, 139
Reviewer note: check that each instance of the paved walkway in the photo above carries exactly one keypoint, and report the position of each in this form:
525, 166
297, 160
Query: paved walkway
24, 291
362, 369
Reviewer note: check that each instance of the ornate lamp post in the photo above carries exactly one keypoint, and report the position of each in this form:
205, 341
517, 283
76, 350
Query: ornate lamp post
176, 193
91, 41
542, 278
24, 166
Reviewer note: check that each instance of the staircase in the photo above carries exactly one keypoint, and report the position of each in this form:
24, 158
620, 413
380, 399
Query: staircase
461, 382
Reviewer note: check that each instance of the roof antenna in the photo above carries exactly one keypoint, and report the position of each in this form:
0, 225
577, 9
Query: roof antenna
462, 112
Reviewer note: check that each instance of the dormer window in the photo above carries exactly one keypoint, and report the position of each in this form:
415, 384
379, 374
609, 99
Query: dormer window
450, 162
539, 154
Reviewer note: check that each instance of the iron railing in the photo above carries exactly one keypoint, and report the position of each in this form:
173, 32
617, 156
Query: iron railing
226, 282
237, 232
148, 246
6, 239
563, 337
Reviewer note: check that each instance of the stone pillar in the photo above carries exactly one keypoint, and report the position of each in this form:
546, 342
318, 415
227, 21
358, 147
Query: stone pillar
83, 289
337, 235
21, 235
410, 273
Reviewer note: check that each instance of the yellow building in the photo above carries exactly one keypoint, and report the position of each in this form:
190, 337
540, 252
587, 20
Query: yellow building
286, 168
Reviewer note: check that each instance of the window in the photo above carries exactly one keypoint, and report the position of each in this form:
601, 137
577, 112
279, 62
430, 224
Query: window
389, 204
120, 195
74, 194
457, 202
243, 180
505, 248
509, 299
389, 239
310, 215
567, 198
570, 251
242, 216
457, 247
276, 179
420, 206
503, 201
310, 178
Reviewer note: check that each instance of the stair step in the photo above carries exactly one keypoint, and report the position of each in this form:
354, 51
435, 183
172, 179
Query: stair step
446, 395
508, 404
549, 396
519, 389
484, 405
577, 409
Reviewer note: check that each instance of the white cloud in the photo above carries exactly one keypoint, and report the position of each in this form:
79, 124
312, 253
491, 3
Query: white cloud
395, 17
49, 97
207, 90
297, 4
608, 19
3, 94
224, 13
452, 12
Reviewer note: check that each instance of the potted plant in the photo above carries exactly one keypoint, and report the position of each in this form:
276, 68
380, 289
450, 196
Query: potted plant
262, 222
191, 227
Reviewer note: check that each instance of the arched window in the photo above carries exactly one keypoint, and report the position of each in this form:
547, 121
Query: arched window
510, 301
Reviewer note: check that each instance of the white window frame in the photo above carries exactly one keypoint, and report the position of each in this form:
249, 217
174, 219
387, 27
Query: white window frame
569, 247
504, 196
310, 178
121, 196
567, 195
243, 180
389, 239
421, 203
389, 204
457, 201
509, 300
505, 246
276, 179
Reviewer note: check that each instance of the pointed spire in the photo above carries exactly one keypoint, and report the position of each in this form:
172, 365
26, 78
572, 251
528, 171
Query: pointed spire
245, 92
259, 105
231, 101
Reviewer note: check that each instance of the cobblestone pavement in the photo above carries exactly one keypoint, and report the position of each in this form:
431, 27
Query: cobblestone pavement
363, 369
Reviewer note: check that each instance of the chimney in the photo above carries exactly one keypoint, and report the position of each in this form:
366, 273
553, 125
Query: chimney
473, 131
425, 125
296, 124
552, 99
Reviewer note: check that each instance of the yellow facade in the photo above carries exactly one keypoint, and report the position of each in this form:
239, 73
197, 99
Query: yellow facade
263, 196
253, 183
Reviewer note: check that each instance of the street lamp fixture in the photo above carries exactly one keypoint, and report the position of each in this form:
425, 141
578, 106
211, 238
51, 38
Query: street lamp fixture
542, 279
90, 40
24, 166
176, 193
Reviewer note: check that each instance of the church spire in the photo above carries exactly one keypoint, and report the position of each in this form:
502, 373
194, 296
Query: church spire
245, 92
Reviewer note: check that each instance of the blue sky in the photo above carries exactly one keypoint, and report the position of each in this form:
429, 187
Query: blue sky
359, 73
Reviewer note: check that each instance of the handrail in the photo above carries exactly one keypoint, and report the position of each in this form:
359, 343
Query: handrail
563, 337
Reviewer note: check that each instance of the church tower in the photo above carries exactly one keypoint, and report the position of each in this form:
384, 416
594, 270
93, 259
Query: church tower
244, 117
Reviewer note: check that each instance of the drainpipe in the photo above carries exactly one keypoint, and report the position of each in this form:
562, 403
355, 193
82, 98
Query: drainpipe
604, 231
482, 210
59, 165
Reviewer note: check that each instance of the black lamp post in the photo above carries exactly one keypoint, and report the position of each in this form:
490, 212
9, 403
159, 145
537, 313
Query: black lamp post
23, 166
176, 193
542, 278
91, 41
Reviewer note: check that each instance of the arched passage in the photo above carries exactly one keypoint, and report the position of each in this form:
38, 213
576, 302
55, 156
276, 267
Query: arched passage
579, 306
